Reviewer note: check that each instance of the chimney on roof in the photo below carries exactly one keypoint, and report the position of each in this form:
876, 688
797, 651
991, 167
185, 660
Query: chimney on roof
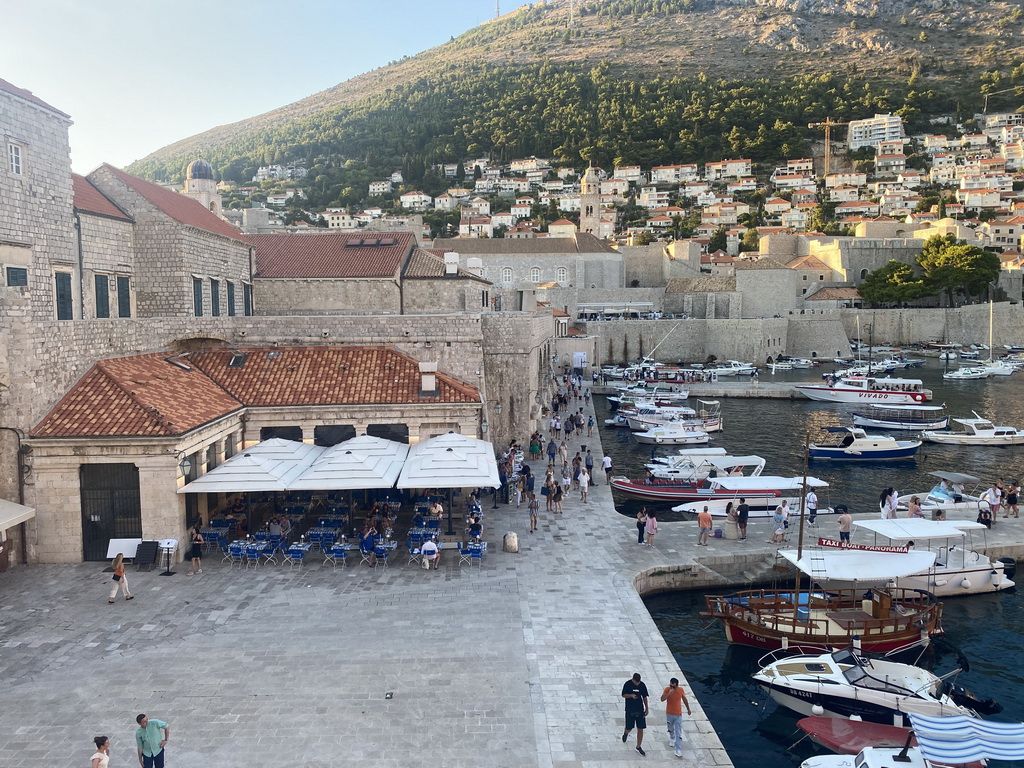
451, 263
428, 379
475, 265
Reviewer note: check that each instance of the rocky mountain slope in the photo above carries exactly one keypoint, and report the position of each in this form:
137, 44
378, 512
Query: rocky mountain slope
940, 44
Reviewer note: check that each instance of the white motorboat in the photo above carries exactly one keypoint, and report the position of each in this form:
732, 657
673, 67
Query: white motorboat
701, 466
1000, 368
949, 354
977, 431
672, 434
737, 368
948, 495
867, 389
844, 683
967, 373
786, 366
906, 417
957, 570
854, 444
762, 494
708, 418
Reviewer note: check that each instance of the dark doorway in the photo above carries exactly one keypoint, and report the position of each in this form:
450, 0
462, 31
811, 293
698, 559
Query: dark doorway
111, 507
285, 433
332, 434
397, 432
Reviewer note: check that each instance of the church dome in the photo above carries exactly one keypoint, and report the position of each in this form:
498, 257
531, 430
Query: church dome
199, 169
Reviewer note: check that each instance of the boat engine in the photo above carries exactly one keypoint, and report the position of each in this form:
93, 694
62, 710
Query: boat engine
1009, 566
965, 698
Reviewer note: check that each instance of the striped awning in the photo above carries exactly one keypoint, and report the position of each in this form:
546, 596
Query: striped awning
962, 739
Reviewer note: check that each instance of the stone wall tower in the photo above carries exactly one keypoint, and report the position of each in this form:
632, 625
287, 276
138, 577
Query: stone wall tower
200, 185
590, 202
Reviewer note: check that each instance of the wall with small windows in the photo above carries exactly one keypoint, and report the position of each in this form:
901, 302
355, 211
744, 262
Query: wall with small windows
107, 254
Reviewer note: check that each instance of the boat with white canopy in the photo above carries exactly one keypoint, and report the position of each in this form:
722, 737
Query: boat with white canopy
762, 494
948, 495
977, 431
957, 570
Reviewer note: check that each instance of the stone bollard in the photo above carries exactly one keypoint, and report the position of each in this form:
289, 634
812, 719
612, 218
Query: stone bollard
732, 530
510, 543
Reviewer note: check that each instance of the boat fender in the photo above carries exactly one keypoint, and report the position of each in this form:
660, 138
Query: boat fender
997, 578
817, 710
940, 582
966, 583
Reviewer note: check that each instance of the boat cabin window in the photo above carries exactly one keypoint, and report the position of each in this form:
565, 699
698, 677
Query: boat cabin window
816, 667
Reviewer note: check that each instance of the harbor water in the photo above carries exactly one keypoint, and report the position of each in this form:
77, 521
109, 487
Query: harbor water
985, 628
775, 429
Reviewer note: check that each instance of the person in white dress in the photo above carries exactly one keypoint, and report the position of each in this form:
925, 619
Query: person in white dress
101, 758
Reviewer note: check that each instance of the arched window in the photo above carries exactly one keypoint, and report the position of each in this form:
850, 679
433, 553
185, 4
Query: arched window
563, 275
506, 274
535, 275
863, 274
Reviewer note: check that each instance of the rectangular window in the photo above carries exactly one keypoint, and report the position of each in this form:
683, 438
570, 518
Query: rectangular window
17, 277
197, 296
15, 161
231, 299
124, 296
102, 296
247, 299
215, 298
64, 305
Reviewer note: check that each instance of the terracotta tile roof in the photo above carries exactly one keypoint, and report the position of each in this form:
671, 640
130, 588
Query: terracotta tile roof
808, 262
147, 396
332, 254
424, 264
21, 93
762, 263
581, 242
182, 209
326, 376
142, 396
88, 199
834, 294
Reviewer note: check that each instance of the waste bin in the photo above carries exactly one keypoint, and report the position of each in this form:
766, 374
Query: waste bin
732, 530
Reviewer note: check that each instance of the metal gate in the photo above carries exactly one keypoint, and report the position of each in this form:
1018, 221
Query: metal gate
111, 507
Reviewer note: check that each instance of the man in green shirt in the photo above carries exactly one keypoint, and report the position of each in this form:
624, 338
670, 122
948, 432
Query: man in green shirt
147, 739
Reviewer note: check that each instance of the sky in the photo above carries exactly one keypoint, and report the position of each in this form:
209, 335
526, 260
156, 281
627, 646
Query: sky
136, 75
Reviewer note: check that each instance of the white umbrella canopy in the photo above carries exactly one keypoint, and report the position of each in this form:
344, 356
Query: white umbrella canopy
272, 465
450, 461
361, 462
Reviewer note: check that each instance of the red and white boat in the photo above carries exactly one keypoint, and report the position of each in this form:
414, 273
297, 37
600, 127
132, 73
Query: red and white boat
848, 737
867, 389
654, 488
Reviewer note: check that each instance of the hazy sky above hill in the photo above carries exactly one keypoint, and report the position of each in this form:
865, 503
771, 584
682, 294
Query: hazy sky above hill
137, 75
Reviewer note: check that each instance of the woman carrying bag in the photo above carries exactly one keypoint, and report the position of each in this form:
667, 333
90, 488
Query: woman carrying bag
120, 580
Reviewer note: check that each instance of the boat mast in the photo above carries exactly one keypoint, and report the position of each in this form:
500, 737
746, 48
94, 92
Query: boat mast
800, 537
990, 324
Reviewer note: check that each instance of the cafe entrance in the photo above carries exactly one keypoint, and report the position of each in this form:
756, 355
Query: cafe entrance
111, 506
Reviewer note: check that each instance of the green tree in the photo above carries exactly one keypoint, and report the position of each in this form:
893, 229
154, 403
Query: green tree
950, 264
751, 240
895, 282
719, 241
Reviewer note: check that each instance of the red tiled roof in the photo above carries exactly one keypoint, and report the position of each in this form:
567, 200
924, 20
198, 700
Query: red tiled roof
143, 396
182, 209
331, 255
147, 396
88, 199
326, 376
21, 93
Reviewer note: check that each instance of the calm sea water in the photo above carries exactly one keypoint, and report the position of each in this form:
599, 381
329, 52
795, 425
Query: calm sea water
776, 430
986, 628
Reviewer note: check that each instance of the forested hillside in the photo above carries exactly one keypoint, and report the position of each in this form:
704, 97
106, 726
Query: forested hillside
631, 81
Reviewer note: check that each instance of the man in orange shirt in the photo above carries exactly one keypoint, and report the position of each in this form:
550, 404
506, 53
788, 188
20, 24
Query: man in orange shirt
674, 697
704, 523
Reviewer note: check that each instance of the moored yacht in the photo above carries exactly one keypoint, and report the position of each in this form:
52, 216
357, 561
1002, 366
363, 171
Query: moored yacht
977, 431
866, 389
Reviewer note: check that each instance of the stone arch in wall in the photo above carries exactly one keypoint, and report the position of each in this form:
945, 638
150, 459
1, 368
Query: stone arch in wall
197, 342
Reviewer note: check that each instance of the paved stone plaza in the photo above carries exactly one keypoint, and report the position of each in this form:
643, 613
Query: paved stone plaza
516, 662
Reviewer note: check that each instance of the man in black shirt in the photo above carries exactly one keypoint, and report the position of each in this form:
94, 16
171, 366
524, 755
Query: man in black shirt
635, 694
742, 515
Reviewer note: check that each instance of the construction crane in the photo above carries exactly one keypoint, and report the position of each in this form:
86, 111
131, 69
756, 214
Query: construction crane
828, 124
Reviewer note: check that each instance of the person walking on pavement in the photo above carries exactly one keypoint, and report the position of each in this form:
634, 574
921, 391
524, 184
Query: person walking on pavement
120, 580
812, 505
675, 697
704, 523
584, 481
149, 743
606, 465
634, 691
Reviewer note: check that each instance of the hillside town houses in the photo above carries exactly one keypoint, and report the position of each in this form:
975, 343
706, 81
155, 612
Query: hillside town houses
102, 327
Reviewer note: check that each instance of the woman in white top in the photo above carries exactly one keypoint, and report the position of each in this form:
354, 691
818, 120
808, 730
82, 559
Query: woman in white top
102, 756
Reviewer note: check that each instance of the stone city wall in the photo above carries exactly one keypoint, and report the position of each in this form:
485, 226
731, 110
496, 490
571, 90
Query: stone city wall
307, 296
445, 295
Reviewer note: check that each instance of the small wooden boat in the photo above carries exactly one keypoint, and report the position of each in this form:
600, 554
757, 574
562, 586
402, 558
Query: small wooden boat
854, 444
